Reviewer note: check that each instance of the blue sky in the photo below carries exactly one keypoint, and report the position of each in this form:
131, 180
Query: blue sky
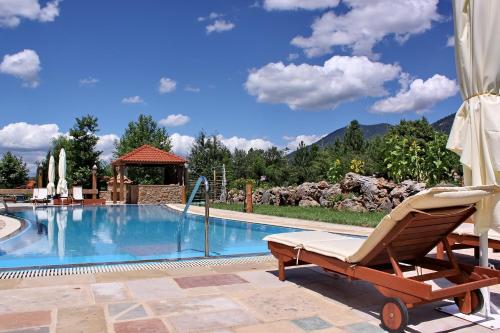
259, 73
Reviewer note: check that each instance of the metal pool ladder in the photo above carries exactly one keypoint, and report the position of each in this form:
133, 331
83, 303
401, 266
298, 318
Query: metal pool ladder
201, 179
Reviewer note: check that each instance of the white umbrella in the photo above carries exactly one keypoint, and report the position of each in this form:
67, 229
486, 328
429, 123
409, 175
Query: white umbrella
51, 188
62, 185
475, 134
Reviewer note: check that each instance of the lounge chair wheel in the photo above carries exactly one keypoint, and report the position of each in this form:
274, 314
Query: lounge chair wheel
477, 301
394, 315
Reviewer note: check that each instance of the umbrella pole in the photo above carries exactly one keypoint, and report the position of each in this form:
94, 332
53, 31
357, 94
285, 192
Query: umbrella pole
483, 262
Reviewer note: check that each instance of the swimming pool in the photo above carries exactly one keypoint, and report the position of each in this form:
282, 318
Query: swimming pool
55, 236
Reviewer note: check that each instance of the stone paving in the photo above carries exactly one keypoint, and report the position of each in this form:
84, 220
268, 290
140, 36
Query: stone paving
233, 298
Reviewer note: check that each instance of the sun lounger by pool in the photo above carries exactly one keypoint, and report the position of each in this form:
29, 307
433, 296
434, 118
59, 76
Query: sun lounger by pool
77, 196
464, 238
40, 196
399, 244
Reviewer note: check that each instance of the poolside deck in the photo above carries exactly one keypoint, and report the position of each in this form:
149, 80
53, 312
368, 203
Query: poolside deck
232, 298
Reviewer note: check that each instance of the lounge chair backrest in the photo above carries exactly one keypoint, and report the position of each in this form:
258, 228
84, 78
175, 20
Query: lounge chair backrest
35, 193
77, 193
42, 194
419, 223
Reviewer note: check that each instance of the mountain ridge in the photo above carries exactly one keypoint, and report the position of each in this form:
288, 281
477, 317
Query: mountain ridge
369, 131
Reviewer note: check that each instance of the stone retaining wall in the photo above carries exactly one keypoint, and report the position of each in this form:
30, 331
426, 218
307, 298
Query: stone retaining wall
160, 194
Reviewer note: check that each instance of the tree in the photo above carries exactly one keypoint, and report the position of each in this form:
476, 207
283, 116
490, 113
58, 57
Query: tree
354, 140
302, 162
143, 131
83, 149
208, 154
13, 171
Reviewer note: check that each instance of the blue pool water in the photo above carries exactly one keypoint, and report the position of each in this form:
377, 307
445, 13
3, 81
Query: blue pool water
105, 234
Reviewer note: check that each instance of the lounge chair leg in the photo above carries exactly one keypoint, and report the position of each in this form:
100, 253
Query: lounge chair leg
440, 251
476, 252
281, 270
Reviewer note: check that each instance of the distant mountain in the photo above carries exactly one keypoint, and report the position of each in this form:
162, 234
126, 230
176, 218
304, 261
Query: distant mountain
370, 131
444, 124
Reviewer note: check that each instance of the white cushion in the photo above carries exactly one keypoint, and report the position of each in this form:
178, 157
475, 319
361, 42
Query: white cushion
300, 238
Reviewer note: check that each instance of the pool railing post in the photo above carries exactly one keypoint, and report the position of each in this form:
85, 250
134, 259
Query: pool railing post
207, 214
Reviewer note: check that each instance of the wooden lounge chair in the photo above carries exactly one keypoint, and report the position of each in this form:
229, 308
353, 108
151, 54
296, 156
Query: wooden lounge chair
40, 196
77, 195
464, 238
399, 244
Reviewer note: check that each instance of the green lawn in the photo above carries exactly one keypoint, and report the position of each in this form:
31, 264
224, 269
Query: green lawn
311, 213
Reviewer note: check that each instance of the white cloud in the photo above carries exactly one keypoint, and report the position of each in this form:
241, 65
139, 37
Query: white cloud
106, 144
166, 85
24, 65
211, 16
174, 120
132, 100
191, 88
236, 142
31, 141
293, 56
219, 26
13, 11
450, 41
299, 4
181, 144
294, 141
88, 81
367, 23
24, 136
420, 96
304, 86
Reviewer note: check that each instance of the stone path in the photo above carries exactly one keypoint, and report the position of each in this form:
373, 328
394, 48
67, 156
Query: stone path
225, 299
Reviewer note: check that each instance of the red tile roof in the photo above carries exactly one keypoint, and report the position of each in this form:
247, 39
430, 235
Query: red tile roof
147, 154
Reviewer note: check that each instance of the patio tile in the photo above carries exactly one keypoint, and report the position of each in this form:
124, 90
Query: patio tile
208, 280
141, 326
65, 280
277, 326
24, 319
109, 292
192, 305
263, 279
33, 299
129, 275
32, 330
10, 283
134, 313
348, 316
284, 303
211, 320
312, 323
117, 308
81, 320
363, 328
160, 288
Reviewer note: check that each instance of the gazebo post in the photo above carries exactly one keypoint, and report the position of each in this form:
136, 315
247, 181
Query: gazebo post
114, 184
122, 183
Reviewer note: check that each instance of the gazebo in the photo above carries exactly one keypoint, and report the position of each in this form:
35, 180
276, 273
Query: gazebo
149, 156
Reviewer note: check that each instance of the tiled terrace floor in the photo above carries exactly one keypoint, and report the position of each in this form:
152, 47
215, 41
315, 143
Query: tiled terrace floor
236, 298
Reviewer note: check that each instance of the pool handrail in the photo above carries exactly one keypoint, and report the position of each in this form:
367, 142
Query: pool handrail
207, 212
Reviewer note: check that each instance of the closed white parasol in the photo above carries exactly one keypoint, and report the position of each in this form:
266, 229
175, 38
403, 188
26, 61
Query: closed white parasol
62, 185
51, 187
475, 134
